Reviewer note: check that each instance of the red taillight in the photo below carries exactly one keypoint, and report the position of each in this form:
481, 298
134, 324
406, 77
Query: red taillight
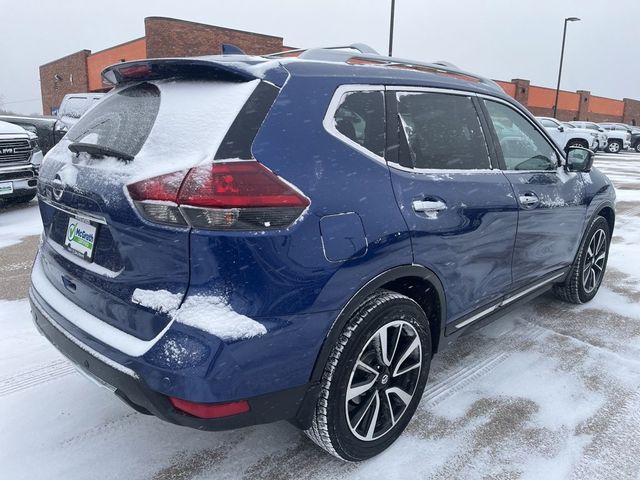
241, 195
237, 184
210, 410
164, 188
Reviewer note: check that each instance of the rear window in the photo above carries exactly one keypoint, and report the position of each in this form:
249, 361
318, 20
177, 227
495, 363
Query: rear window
122, 121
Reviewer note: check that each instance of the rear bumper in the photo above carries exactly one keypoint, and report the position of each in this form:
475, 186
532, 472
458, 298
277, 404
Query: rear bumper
127, 384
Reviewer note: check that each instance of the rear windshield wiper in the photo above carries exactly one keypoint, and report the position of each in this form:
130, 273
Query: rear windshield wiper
99, 151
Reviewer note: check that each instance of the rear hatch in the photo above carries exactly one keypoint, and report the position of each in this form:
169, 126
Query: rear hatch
98, 250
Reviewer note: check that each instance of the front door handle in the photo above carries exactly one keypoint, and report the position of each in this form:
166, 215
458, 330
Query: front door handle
428, 205
529, 200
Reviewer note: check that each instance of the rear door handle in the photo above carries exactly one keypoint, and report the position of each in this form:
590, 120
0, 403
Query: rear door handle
529, 200
428, 205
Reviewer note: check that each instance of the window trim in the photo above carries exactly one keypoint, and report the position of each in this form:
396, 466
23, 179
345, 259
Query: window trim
493, 146
539, 128
329, 124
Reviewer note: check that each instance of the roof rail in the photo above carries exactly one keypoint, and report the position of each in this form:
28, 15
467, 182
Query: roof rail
313, 53
367, 55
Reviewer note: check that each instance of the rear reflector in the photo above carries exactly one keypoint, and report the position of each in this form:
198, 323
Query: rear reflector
210, 410
242, 195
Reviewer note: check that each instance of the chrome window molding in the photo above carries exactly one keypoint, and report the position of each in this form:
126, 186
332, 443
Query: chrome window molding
329, 123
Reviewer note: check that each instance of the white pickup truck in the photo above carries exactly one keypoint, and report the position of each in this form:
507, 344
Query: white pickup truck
603, 138
567, 136
20, 160
619, 137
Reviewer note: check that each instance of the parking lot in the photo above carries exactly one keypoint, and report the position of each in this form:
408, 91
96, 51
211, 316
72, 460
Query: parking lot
551, 390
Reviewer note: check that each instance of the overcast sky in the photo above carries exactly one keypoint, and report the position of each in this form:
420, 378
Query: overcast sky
502, 39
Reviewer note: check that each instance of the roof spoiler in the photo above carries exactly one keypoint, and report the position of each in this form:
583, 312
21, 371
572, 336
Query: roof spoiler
176, 67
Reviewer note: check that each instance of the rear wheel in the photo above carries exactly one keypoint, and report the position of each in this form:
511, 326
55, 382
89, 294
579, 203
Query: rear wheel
638, 147
373, 379
587, 271
614, 146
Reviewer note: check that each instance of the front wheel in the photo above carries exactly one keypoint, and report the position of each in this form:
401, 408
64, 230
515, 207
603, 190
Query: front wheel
587, 271
374, 378
638, 147
614, 146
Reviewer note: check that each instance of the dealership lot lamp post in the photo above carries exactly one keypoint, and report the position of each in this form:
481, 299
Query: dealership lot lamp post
393, 10
564, 36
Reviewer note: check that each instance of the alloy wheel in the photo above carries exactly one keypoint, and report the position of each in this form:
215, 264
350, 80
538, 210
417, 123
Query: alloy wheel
594, 259
614, 147
383, 380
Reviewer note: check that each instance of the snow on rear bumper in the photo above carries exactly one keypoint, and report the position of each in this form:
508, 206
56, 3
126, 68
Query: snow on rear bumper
191, 364
134, 391
80, 318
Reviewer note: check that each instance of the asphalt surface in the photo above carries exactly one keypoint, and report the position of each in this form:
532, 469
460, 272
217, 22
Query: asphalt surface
549, 391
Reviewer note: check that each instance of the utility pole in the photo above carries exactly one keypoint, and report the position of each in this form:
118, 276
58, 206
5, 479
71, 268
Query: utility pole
393, 10
564, 37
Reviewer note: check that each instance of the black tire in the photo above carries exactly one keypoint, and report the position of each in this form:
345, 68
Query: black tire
578, 143
614, 146
335, 425
637, 147
585, 277
17, 199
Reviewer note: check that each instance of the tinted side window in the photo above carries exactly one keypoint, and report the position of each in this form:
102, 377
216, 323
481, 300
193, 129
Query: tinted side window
442, 131
548, 123
361, 118
523, 147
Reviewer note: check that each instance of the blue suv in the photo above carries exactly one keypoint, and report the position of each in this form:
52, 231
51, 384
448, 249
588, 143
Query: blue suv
234, 240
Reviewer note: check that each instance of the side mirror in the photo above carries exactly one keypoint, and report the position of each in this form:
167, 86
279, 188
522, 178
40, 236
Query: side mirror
579, 159
561, 128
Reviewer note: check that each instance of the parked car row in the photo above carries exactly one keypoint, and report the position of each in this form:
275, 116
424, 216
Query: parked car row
50, 129
609, 137
24, 140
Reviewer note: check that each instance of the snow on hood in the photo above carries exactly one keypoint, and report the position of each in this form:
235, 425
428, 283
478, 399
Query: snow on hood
210, 313
7, 128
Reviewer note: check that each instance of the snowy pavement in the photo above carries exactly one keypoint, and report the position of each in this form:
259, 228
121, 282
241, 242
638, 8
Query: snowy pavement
550, 391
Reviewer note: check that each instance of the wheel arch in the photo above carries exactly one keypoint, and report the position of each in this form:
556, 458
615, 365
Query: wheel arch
579, 140
416, 282
609, 214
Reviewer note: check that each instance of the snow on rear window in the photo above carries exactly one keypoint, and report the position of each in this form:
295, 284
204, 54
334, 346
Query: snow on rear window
192, 119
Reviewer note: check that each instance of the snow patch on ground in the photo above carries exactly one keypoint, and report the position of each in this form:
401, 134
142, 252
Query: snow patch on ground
19, 223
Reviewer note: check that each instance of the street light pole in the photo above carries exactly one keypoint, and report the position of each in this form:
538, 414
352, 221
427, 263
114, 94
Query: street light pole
564, 37
393, 10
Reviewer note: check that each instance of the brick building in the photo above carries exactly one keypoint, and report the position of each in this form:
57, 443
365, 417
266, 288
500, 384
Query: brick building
580, 105
164, 37
169, 37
